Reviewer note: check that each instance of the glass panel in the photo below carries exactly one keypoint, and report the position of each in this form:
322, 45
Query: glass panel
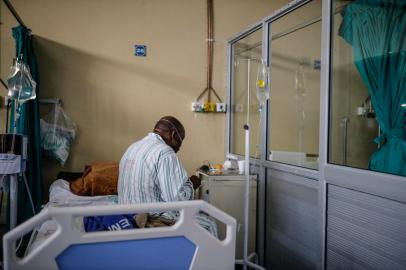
294, 105
367, 95
246, 58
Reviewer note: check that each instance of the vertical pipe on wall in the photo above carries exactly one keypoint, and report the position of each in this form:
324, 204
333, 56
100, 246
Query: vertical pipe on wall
344, 125
209, 47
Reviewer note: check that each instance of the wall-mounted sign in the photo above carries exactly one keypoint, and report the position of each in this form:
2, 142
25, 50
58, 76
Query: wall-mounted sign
140, 50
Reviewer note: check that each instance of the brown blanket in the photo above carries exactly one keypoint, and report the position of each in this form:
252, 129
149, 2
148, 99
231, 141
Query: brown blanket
98, 179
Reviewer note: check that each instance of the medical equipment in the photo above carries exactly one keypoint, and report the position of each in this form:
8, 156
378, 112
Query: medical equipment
184, 245
21, 86
263, 83
225, 191
13, 159
263, 94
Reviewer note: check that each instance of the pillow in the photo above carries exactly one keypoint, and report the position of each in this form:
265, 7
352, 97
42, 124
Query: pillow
98, 179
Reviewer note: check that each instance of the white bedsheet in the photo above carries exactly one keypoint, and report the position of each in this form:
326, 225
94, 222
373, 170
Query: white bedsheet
60, 195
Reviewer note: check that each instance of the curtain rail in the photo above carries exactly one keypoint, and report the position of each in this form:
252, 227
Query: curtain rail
14, 12
3, 83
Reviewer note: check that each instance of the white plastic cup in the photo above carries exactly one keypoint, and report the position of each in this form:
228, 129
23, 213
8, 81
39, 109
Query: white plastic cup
227, 165
241, 166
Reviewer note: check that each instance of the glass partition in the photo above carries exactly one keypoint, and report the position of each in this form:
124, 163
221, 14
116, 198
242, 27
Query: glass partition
246, 56
367, 93
294, 106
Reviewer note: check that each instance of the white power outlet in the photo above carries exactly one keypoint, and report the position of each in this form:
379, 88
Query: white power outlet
196, 107
220, 107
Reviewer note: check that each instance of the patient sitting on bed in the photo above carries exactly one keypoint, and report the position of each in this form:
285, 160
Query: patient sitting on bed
150, 171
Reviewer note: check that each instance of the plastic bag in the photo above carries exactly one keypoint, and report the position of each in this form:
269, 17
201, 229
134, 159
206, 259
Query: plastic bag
57, 134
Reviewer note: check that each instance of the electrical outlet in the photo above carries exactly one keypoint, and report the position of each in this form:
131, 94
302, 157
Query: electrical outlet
220, 107
196, 107
209, 107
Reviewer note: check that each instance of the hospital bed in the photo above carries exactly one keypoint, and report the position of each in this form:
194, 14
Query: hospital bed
185, 245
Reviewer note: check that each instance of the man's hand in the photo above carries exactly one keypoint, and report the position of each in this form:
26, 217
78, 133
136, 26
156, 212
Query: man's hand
195, 181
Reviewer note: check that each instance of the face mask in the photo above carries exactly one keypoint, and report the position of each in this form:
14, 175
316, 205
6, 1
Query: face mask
177, 133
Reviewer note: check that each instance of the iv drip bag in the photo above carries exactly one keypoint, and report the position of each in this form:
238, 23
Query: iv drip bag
21, 86
263, 83
300, 82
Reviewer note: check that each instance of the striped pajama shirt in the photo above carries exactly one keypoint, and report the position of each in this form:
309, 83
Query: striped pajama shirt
150, 171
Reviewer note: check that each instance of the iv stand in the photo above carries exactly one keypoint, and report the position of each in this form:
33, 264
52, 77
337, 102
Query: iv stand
246, 259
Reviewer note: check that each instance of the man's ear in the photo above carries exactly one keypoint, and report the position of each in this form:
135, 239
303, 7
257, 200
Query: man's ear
173, 134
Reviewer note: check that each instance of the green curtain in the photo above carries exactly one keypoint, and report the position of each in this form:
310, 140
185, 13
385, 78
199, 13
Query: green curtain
28, 124
376, 30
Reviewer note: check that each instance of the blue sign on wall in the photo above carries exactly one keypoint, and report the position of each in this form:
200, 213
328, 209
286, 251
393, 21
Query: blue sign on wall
140, 50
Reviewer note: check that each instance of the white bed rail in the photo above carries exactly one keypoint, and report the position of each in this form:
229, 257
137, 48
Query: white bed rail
211, 253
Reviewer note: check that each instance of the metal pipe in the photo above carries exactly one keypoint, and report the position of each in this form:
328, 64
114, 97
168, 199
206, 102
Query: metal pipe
247, 168
7, 114
209, 43
210, 40
3, 83
247, 192
344, 122
13, 199
14, 12
249, 91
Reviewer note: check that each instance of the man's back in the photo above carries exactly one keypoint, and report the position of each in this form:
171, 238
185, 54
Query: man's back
150, 171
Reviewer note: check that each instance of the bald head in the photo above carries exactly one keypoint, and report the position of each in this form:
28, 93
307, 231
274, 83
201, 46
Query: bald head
171, 130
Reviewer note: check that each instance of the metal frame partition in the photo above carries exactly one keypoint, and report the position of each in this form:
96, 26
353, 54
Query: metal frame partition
306, 177
380, 195
372, 186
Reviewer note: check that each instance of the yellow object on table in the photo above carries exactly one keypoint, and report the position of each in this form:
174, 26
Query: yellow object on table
218, 167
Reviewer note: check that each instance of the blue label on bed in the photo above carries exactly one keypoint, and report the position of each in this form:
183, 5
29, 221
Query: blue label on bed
158, 253
108, 223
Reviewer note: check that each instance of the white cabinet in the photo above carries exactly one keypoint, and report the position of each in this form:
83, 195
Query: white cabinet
226, 192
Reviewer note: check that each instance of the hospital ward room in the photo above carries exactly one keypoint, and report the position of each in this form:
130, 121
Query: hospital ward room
203, 134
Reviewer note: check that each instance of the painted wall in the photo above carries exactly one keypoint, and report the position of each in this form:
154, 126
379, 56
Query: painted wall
86, 58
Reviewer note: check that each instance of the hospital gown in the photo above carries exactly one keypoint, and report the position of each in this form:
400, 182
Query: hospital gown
150, 171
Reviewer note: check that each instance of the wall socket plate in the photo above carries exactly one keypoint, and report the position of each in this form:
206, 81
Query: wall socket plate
209, 107
220, 107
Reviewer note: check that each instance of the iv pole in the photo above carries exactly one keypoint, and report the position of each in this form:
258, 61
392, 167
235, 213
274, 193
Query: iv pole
246, 258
